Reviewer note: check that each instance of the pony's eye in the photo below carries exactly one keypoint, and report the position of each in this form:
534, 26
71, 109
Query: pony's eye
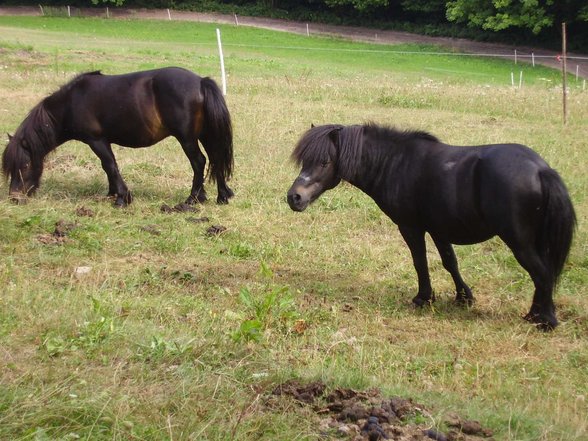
325, 163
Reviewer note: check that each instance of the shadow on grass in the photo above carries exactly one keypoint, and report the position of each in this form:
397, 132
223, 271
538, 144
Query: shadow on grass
96, 187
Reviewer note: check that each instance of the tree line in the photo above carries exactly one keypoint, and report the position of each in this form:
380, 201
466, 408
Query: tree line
520, 21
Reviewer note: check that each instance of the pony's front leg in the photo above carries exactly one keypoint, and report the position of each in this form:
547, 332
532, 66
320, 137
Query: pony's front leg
463, 293
116, 184
415, 239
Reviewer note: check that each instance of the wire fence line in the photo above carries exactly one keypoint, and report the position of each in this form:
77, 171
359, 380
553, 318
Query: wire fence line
530, 57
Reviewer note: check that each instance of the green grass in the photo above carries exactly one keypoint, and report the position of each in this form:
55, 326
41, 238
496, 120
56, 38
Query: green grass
180, 335
251, 50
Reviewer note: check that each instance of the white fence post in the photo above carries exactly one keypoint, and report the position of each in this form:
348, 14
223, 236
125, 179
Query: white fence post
222, 61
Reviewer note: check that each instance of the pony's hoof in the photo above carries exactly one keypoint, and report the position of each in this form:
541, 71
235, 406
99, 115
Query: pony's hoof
122, 199
464, 301
18, 199
224, 196
198, 199
122, 202
419, 302
542, 322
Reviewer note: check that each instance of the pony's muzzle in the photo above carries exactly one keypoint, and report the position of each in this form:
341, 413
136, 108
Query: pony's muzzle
18, 198
296, 201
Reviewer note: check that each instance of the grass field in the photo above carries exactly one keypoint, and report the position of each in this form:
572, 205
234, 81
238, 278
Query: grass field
139, 325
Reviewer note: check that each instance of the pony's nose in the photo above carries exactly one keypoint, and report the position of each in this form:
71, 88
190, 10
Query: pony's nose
293, 198
294, 201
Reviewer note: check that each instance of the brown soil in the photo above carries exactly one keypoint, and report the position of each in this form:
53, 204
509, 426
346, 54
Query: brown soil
523, 54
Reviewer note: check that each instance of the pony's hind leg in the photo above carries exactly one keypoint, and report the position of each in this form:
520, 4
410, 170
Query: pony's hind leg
116, 184
224, 192
521, 236
220, 166
542, 310
198, 162
463, 292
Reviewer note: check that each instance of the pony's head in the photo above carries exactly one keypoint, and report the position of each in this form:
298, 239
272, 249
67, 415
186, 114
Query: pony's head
22, 161
321, 154
18, 167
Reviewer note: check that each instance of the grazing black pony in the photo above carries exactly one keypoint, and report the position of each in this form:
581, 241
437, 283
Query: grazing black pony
458, 195
133, 110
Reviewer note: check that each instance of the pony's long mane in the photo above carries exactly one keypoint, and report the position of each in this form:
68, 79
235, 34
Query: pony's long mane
395, 137
354, 144
313, 147
33, 139
37, 135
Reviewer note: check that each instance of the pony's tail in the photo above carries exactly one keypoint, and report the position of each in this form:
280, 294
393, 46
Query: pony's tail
217, 131
559, 223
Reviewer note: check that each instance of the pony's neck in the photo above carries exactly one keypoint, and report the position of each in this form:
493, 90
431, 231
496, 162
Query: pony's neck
376, 165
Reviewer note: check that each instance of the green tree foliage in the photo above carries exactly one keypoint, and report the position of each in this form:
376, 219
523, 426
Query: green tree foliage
423, 6
360, 5
498, 15
114, 2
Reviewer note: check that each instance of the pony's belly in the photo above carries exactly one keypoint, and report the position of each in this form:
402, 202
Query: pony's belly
465, 237
469, 240
144, 139
461, 233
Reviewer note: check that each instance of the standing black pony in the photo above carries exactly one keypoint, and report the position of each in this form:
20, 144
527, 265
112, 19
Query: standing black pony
457, 195
132, 110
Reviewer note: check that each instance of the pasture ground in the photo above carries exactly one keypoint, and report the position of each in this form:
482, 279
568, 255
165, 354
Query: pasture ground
143, 324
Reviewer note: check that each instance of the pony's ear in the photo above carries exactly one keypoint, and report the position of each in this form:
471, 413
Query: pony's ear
312, 125
9, 136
